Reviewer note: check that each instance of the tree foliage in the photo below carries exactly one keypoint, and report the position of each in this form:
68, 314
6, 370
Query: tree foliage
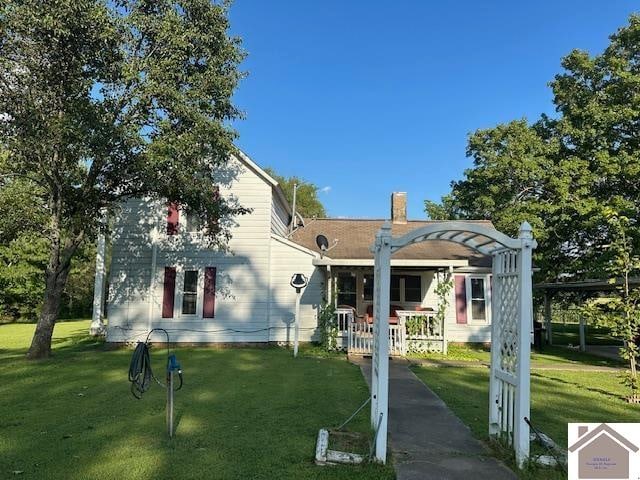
620, 312
564, 174
308, 203
104, 101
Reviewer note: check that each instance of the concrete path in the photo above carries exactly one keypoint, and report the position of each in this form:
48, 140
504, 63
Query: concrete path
427, 440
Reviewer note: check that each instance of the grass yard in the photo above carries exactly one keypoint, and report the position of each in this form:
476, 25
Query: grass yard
549, 356
569, 333
242, 414
558, 397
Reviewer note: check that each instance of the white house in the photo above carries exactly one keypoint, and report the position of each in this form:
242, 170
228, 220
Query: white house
163, 274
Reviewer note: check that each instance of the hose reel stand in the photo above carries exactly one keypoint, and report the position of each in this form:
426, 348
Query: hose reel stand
141, 373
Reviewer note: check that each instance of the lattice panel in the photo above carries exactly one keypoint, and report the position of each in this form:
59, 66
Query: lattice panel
508, 309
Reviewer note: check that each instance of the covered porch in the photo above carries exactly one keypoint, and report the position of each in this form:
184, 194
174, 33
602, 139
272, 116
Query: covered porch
414, 323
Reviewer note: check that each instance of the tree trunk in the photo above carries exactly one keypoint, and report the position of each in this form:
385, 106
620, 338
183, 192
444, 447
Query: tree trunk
56, 281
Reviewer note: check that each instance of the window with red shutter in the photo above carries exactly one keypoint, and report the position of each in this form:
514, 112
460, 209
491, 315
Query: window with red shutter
209, 300
168, 296
461, 299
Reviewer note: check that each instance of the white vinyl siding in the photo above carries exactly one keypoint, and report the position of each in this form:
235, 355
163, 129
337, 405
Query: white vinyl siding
242, 280
288, 259
279, 217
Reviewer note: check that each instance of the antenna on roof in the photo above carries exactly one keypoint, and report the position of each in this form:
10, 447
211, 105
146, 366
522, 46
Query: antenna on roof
323, 244
293, 225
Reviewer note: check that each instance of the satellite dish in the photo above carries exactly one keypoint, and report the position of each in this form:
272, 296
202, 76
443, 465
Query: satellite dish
322, 242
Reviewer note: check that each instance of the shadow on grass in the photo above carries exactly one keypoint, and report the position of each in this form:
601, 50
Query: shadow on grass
243, 413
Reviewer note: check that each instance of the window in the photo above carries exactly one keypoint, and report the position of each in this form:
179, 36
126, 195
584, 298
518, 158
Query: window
347, 289
478, 299
395, 288
412, 288
368, 288
190, 292
192, 220
406, 288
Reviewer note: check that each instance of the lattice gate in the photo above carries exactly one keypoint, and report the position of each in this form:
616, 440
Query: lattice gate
511, 326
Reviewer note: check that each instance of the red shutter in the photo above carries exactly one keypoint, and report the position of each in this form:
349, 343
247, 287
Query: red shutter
461, 299
169, 292
209, 303
173, 217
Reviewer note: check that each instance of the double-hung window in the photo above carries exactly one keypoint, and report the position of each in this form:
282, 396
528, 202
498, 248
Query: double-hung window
477, 298
193, 290
190, 292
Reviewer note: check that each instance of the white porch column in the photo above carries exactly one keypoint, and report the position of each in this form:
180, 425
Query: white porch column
523, 373
380, 360
97, 326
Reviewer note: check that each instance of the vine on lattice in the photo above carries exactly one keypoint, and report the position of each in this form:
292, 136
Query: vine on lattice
443, 291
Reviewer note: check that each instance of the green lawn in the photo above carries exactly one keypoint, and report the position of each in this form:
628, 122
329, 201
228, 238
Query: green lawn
565, 334
549, 356
242, 414
558, 397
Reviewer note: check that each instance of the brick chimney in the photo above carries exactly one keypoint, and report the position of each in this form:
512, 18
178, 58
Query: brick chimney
399, 207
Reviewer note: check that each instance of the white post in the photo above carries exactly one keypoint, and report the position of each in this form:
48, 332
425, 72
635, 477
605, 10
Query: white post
583, 340
297, 324
547, 316
380, 364
97, 326
496, 320
523, 373
377, 280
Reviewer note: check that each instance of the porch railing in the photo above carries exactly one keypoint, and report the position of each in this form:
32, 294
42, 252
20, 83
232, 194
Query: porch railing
344, 318
415, 332
424, 332
360, 337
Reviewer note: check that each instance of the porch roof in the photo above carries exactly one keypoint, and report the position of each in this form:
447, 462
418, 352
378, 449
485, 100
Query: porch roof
354, 237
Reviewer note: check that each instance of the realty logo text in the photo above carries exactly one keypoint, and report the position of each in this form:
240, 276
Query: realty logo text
606, 450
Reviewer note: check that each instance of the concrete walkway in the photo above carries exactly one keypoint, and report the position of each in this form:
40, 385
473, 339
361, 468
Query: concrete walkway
427, 440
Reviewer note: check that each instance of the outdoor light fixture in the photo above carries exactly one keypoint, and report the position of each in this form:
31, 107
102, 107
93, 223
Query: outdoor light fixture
298, 281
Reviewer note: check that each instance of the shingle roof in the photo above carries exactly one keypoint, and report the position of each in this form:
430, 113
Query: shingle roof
356, 236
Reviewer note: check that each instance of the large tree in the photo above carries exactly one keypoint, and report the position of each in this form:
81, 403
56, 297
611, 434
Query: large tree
564, 174
102, 101
307, 202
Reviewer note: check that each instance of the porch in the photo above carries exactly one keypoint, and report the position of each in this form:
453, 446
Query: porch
410, 331
413, 321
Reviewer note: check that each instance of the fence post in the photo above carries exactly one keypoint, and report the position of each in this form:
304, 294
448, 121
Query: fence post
583, 340
547, 316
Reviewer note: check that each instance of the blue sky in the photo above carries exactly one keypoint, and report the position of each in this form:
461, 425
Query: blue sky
365, 97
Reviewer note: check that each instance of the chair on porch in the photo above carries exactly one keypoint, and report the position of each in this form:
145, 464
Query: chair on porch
393, 316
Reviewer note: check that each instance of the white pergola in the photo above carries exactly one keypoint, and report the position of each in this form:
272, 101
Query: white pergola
511, 326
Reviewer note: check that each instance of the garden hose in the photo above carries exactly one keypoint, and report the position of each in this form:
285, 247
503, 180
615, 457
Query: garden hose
140, 371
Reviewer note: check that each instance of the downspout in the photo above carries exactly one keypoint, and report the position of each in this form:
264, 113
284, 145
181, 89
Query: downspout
152, 282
